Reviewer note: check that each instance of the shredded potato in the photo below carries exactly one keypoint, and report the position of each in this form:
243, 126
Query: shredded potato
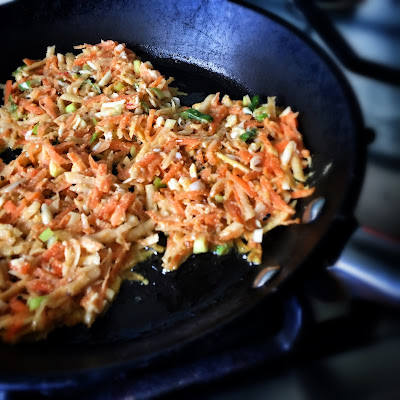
109, 158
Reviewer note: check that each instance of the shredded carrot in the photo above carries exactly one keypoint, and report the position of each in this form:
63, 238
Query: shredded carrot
297, 194
49, 106
107, 166
150, 121
188, 142
32, 108
28, 61
52, 152
7, 91
147, 159
157, 81
281, 145
244, 185
173, 171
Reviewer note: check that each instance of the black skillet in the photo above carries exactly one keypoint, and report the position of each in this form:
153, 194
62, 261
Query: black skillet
207, 46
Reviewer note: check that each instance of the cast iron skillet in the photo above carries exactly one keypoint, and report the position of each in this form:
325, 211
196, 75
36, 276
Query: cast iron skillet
208, 46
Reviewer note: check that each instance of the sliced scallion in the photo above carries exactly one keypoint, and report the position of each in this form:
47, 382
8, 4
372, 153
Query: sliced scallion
194, 114
13, 106
70, 108
221, 249
158, 184
158, 93
132, 151
248, 135
200, 245
35, 129
136, 66
25, 85
18, 70
254, 102
46, 235
119, 86
94, 137
261, 117
219, 198
145, 106
34, 302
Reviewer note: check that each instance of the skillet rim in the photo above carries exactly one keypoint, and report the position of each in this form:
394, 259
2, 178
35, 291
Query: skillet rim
345, 210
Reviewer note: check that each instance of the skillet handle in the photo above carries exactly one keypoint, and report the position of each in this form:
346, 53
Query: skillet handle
369, 267
342, 50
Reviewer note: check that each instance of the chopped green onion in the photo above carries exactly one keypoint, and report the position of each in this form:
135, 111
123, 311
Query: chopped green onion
261, 113
17, 115
261, 117
158, 184
200, 245
46, 235
35, 129
219, 198
118, 110
136, 66
199, 116
55, 170
70, 108
248, 135
132, 151
94, 120
34, 302
254, 102
145, 106
246, 101
221, 249
158, 93
118, 86
25, 85
87, 67
13, 106
18, 70
94, 137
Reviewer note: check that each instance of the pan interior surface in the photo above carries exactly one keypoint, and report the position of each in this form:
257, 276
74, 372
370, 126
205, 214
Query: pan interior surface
208, 46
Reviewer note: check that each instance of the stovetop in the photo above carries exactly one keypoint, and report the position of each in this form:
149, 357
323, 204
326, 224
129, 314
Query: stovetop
320, 342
